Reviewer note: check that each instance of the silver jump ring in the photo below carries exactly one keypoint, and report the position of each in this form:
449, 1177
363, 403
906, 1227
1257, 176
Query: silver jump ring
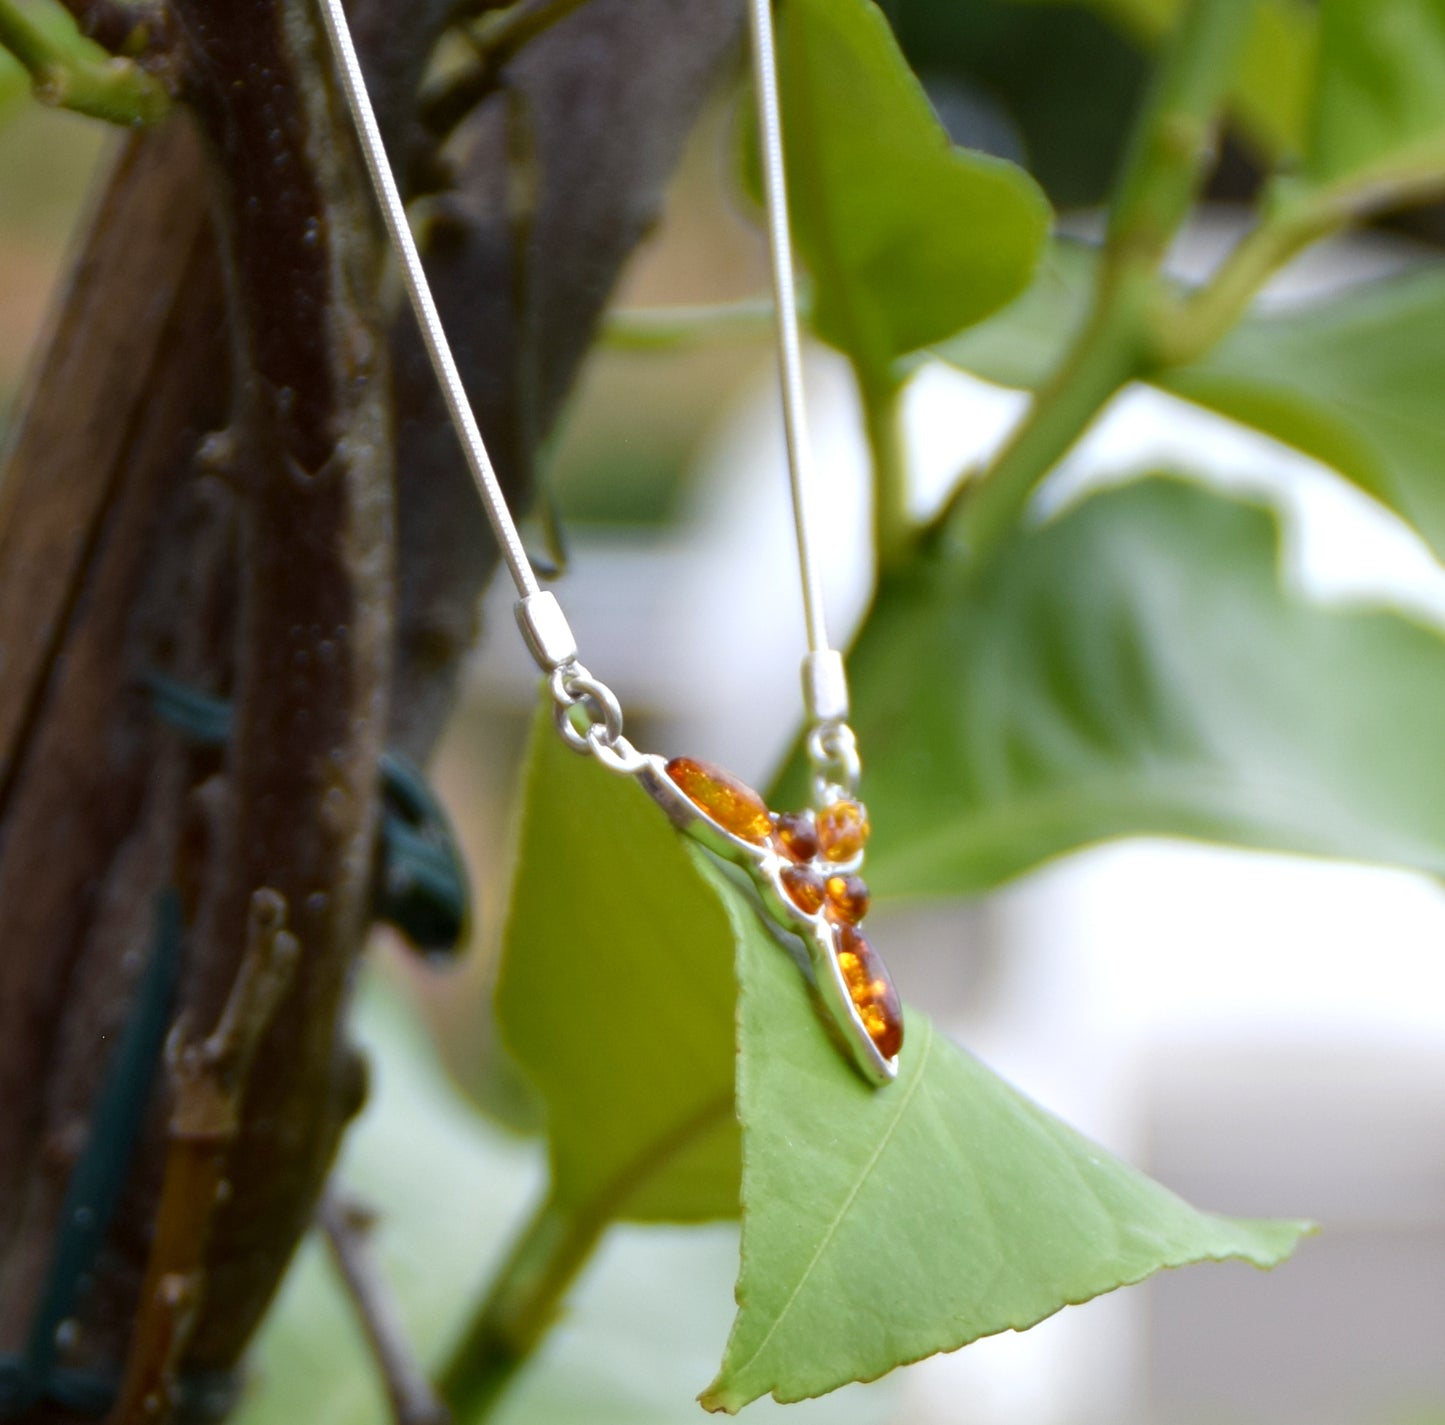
617, 756
833, 751
573, 686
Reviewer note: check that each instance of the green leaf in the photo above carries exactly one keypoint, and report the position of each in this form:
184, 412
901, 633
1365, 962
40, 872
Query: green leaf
1380, 105
1022, 344
907, 238
1135, 668
616, 997
14, 82
1271, 94
1354, 382
885, 1225
643, 1324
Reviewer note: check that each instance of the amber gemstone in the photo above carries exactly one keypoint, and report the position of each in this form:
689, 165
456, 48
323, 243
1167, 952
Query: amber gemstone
847, 898
733, 805
804, 887
795, 836
843, 830
871, 990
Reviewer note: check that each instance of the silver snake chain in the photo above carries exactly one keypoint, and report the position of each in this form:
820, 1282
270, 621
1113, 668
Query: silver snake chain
544, 626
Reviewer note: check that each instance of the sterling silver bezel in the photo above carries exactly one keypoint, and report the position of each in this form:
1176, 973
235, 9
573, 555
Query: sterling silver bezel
764, 866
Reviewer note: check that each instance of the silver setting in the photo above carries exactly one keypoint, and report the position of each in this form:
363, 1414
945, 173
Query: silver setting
764, 866
545, 629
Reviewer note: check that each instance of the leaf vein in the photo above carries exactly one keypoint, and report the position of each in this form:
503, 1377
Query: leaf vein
838, 1217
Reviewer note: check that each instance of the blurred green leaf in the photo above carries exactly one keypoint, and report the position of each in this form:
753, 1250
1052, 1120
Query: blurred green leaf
1022, 344
1272, 93
1354, 382
1135, 668
1058, 85
13, 83
885, 1225
446, 1187
907, 238
1380, 107
616, 997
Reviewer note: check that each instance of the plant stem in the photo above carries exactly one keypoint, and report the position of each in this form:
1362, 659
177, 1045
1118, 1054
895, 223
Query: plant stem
552, 1248
1198, 322
882, 398
1174, 139
670, 328
519, 1308
79, 75
1105, 356
1161, 174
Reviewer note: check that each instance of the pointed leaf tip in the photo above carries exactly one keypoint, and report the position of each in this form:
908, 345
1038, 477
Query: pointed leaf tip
883, 1226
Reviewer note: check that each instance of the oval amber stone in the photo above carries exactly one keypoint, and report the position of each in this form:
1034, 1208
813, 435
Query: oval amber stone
795, 836
847, 898
804, 887
732, 804
871, 989
843, 830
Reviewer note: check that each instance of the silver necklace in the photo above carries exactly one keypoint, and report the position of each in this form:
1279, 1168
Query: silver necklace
805, 865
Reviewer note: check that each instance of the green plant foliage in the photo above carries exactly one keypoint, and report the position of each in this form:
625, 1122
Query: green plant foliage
1022, 345
445, 1187
907, 238
1354, 382
1380, 107
13, 82
1273, 89
883, 1226
70, 71
643, 1328
616, 997
1135, 668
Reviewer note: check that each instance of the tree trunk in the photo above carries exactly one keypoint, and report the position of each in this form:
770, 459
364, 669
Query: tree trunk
231, 470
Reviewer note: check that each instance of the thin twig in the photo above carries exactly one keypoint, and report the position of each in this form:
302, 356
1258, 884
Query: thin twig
498, 38
347, 1228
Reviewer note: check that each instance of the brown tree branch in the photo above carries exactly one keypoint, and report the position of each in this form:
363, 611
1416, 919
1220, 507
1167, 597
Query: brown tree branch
347, 1229
311, 467
209, 1079
122, 553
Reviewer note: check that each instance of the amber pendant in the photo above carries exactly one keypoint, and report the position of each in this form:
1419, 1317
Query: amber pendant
805, 866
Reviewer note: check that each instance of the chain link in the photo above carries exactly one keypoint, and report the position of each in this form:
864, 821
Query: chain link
576, 692
833, 751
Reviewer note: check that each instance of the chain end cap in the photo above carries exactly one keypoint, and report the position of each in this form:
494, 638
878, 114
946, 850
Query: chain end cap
825, 687
545, 629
